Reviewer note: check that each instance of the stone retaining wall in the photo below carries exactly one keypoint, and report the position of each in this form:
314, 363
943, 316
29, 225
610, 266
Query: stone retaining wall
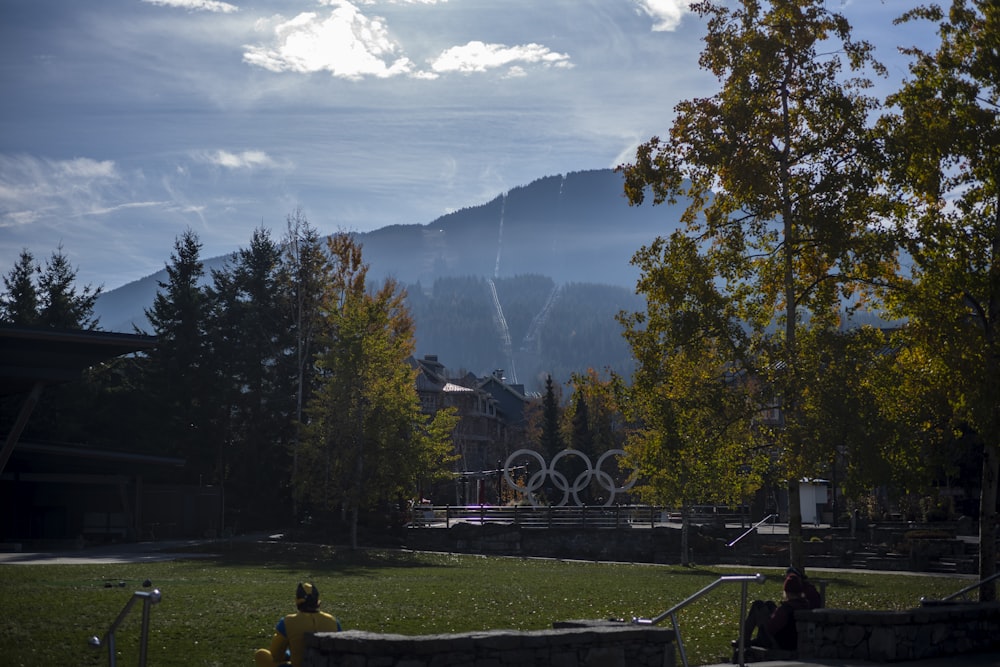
594, 645
887, 636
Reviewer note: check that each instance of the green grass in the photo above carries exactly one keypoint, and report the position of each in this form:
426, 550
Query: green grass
216, 611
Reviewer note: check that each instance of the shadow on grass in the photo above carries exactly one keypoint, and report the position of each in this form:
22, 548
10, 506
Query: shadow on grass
319, 557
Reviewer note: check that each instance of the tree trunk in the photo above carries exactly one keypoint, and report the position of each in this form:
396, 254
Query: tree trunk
795, 556
991, 450
685, 534
354, 528
988, 522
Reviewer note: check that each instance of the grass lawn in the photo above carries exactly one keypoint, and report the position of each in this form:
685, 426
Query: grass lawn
216, 611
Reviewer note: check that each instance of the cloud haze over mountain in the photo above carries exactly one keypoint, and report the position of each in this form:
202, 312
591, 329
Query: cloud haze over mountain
125, 122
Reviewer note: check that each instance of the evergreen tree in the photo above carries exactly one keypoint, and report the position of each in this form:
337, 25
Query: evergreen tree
178, 377
305, 268
19, 304
551, 437
47, 298
603, 399
249, 335
61, 306
581, 437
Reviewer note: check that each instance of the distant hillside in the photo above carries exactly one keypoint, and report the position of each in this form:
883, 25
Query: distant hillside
528, 283
550, 260
526, 326
573, 228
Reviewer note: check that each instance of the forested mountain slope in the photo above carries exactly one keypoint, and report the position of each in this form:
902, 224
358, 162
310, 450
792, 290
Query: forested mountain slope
558, 254
557, 329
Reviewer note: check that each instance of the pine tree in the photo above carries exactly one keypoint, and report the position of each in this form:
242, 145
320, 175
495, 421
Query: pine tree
249, 337
19, 304
305, 268
551, 441
581, 437
61, 306
178, 376
47, 298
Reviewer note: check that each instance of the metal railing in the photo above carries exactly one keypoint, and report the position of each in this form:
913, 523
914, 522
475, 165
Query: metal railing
752, 529
149, 598
742, 579
596, 516
961, 595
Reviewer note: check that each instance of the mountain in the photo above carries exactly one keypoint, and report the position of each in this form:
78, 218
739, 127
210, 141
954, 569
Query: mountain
529, 282
573, 228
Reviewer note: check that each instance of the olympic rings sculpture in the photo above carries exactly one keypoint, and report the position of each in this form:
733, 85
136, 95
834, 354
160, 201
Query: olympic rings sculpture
537, 479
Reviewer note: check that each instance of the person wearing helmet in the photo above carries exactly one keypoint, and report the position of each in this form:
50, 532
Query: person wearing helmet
287, 645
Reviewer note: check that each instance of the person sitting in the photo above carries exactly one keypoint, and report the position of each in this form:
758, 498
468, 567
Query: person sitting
287, 645
808, 590
774, 624
781, 625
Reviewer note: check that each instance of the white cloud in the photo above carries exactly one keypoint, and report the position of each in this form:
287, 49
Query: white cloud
197, 5
128, 206
30, 186
478, 56
244, 160
666, 14
516, 72
346, 43
85, 168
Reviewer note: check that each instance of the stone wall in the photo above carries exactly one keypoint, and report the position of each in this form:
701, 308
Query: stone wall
590, 645
707, 543
888, 636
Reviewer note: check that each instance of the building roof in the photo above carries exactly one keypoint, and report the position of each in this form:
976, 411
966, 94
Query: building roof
452, 388
29, 356
32, 359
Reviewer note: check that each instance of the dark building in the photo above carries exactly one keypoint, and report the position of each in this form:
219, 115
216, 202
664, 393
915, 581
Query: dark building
491, 425
54, 493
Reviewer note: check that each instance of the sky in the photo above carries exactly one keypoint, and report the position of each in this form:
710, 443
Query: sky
124, 123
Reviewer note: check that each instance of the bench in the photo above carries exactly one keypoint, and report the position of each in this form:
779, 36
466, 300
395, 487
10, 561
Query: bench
108, 525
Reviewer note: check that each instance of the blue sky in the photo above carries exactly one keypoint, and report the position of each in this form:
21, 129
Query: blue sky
125, 122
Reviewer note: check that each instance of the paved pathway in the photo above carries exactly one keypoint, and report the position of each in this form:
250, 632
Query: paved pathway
136, 552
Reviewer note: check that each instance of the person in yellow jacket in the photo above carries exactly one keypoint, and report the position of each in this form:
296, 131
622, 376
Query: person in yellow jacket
289, 634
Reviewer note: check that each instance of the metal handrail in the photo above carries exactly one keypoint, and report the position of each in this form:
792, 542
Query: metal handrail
148, 598
753, 528
548, 516
742, 579
961, 593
